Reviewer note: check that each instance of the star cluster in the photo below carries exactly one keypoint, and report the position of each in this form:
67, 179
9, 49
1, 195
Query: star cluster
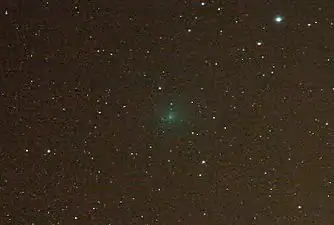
167, 112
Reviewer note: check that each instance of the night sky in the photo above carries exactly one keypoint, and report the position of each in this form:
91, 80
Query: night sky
167, 112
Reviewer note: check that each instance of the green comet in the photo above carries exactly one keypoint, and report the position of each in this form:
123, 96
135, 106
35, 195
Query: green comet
171, 123
170, 117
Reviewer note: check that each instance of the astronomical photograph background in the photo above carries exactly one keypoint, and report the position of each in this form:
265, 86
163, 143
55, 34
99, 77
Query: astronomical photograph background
167, 112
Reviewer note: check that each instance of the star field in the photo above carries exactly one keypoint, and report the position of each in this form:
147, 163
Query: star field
167, 112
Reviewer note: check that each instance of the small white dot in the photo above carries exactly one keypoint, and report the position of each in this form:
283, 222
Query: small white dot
27, 150
203, 3
159, 88
299, 207
203, 161
189, 30
75, 218
48, 151
6, 12
259, 43
214, 117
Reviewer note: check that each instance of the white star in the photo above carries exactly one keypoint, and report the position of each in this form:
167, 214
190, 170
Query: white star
278, 19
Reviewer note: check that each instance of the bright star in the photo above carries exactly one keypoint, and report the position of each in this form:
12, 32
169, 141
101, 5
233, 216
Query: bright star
278, 19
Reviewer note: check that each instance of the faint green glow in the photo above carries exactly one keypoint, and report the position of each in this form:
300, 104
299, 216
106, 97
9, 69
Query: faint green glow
170, 117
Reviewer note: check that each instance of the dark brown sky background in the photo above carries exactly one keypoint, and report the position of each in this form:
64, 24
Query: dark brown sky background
167, 112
